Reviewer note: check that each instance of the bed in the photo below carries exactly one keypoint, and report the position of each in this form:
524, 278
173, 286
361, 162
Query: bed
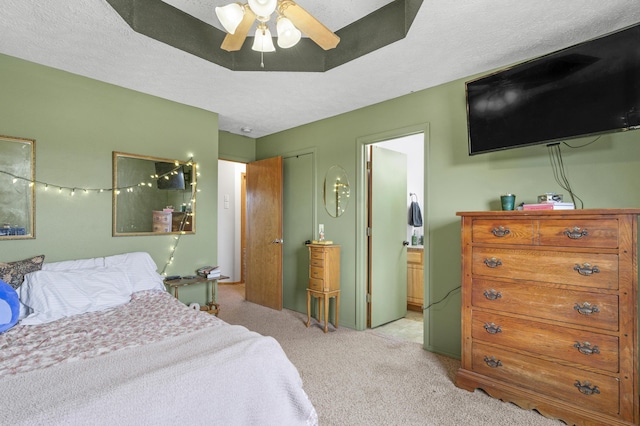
79, 356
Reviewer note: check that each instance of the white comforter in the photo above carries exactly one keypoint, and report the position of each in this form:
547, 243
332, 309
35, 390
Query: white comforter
219, 374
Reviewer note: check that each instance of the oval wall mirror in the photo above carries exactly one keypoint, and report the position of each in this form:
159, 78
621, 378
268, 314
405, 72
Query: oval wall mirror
336, 191
17, 189
152, 195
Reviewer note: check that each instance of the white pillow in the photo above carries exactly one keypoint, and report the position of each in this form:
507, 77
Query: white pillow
96, 262
52, 295
140, 268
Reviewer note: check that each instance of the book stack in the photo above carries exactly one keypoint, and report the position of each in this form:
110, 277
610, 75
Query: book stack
556, 205
209, 272
325, 242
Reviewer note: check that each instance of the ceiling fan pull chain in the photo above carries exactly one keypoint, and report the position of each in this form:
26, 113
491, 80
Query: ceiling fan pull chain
261, 59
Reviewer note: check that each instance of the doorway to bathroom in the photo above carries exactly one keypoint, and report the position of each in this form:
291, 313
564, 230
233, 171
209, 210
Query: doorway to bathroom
406, 251
395, 271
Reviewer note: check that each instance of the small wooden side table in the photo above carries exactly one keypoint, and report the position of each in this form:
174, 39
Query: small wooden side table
324, 279
323, 297
212, 307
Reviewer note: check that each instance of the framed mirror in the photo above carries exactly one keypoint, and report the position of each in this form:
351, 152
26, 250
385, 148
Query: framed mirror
17, 188
336, 191
153, 196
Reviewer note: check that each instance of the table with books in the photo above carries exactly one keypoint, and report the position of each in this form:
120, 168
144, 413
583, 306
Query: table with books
204, 276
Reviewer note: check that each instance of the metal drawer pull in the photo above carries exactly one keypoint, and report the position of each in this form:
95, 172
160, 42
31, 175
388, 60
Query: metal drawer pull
492, 362
493, 262
492, 294
585, 348
576, 233
500, 231
586, 269
492, 328
586, 388
586, 308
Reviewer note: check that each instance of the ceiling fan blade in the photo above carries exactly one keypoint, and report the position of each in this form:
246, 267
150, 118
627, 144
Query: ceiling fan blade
234, 42
309, 25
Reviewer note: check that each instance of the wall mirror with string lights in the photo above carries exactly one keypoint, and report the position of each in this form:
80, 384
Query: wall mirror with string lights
153, 196
17, 188
336, 191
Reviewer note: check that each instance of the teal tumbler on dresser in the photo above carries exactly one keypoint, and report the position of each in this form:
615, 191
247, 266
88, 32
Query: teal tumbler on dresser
508, 201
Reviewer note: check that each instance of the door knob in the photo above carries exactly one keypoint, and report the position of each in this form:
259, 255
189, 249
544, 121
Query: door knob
405, 243
277, 241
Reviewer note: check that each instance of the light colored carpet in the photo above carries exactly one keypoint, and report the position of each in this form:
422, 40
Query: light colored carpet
367, 378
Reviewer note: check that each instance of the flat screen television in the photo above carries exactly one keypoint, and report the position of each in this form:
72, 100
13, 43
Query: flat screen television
587, 89
170, 176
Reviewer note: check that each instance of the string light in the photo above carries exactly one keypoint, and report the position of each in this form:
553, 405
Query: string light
183, 223
128, 188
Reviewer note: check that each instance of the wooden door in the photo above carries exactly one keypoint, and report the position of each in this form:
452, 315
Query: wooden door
263, 280
388, 223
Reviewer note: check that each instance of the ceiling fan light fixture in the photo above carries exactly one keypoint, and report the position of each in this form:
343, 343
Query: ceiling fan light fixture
230, 16
262, 42
263, 8
288, 34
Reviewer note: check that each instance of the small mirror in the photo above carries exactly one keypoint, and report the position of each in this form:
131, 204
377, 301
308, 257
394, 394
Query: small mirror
17, 188
336, 191
153, 195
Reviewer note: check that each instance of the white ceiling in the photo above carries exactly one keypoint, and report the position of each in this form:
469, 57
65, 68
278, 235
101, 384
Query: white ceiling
447, 41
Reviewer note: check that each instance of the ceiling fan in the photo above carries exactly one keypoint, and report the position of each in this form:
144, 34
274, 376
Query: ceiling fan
291, 20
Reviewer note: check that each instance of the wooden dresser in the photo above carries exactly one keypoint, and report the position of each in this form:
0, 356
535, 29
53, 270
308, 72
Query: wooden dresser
415, 278
549, 312
324, 280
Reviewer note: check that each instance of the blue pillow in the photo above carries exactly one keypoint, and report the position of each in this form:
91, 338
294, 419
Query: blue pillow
9, 307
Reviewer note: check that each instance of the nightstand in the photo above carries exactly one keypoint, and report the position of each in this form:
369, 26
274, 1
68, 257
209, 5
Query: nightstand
211, 307
324, 280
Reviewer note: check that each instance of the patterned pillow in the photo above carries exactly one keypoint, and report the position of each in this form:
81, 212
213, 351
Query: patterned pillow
13, 272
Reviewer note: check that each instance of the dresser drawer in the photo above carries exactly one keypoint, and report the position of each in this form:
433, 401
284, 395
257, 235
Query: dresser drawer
548, 378
579, 233
595, 270
316, 253
316, 284
414, 256
316, 272
548, 302
316, 262
589, 349
503, 231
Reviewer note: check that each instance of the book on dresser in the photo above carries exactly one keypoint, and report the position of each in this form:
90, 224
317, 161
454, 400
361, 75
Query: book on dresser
549, 206
550, 312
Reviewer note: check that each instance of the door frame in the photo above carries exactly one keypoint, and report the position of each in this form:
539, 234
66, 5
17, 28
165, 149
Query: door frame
362, 200
314, 178
314, 197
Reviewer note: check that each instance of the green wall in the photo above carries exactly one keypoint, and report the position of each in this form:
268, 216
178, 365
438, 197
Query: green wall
236, 147
604, 174
77, 123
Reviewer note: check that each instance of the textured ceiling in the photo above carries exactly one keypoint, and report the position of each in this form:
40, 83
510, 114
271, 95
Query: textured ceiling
448, 40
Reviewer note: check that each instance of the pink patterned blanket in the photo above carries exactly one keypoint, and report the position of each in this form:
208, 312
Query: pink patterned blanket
150, 317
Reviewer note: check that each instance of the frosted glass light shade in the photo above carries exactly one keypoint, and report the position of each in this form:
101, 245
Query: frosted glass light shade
263, 42
288, 34
263, 7
230, 16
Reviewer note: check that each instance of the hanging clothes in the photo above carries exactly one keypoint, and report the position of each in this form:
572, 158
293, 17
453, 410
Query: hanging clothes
415, 215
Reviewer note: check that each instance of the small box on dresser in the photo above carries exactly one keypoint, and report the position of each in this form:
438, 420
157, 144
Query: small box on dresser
550, 312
